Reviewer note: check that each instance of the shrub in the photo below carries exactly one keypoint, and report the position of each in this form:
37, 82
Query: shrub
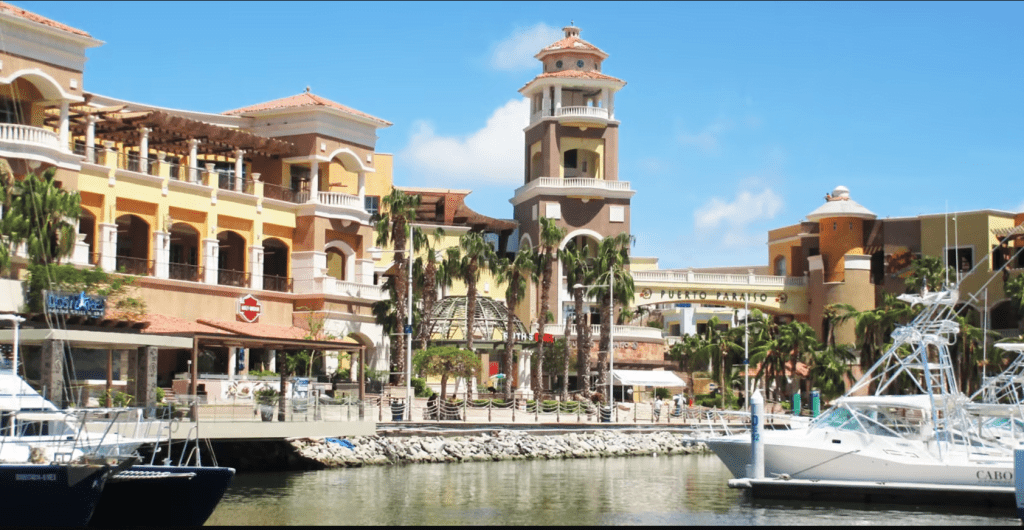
419, 386
663, 393
160, 395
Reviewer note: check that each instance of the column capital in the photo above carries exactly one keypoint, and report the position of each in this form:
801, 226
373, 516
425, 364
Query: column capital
91, 119
193, 143
144, 131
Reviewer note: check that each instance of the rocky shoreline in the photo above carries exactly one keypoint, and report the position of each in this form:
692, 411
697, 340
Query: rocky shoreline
487, 447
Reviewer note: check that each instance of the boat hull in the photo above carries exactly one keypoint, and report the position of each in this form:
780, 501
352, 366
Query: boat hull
818, 458
50, 495
165, 495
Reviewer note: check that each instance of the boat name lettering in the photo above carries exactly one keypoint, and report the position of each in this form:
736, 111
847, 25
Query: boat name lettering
48, 477
999, 476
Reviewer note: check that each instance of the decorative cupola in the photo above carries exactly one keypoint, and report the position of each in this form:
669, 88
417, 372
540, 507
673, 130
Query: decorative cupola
841, 231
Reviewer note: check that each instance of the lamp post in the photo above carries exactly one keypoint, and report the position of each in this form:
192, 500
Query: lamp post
376, 252
746, 353
611, 331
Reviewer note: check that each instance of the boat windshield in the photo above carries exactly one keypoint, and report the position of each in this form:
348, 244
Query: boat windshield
880, 421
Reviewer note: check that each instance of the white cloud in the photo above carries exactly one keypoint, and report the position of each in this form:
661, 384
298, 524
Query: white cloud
707, 140
492, 155
735, 224
516, 52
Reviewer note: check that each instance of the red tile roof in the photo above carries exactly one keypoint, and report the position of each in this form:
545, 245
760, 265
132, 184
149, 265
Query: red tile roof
268, 331
573, 43
28, 15
168, 324
575, 74
305, 99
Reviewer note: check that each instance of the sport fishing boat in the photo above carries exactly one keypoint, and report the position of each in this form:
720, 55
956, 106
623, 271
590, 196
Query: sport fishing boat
913, 426
45, 447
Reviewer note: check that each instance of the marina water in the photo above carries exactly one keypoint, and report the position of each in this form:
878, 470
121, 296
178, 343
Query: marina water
660, 490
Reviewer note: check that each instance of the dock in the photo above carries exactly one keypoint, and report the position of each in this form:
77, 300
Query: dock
982, 496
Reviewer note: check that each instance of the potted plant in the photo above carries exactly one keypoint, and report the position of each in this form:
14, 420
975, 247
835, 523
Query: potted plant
266, 401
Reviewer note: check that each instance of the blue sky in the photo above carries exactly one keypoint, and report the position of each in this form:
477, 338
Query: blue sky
737, 117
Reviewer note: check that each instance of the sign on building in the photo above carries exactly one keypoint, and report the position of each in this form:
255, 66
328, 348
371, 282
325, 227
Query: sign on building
72, 304
249, 308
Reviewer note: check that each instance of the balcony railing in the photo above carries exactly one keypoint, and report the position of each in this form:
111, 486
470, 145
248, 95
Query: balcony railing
134, 162
716, 278
231, 182
576, 111
329, 198
133, 266
232, 277
277, 283
281, 193
184, 271
329, 285
26, 134
576, 182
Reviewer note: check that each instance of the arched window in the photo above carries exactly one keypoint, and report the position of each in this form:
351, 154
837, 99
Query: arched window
780, 266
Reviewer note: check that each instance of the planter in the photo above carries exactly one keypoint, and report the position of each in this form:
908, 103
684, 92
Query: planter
267, 412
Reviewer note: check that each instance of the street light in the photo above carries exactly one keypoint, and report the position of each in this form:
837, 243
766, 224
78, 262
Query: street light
611, 333
408, 328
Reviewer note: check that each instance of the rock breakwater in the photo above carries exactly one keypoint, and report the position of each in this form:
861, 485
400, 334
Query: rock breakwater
486, 447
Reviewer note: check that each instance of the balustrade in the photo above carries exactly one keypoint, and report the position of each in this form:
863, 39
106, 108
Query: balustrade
26, 134
184, 271
133, 266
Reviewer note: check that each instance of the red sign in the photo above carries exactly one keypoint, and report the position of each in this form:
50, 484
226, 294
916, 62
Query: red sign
547, 337
249, 308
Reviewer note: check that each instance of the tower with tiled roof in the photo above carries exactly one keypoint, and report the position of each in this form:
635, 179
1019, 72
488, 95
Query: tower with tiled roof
571, 169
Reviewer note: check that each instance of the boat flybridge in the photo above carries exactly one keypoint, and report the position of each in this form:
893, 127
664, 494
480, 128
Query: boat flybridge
904, 420
999, 402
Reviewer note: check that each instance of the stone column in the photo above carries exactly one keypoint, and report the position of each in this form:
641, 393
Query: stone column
271, 356
51, 371
64, 125
193, 160
211, 253
161, 254
611, 105
239, 167
232, 361
545, 104
558, 99
256, 267
131, 370
108, 246
314, 181
362, 188
145, 375
144, 150
90, 139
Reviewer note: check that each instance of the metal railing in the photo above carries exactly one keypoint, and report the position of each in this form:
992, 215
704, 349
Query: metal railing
280, 193
277, 283
232, 182
184, 271
134, 266
232, 277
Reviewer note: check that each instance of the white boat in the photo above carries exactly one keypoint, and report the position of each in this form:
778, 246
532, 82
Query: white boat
922, 434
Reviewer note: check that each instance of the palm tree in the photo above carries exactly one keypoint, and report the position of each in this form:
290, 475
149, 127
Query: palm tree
516, 275
837, 315
610, 264
685, 353
397, 213
427, 277
550, 238
720, 346
465, 262
968, 352
1014, 289
928, 273
800, 341
40, 215
575, 265
829, 369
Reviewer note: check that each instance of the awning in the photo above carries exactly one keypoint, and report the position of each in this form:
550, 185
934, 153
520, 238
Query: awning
661, 378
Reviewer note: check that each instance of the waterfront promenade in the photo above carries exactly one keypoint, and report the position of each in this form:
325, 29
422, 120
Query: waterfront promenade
311, 418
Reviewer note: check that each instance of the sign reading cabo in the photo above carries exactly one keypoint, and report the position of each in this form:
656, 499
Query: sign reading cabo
71, 304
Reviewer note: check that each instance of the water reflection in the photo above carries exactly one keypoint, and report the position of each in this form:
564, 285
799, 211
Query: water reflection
639, 490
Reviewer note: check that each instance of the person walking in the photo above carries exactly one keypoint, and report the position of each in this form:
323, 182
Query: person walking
657, 408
